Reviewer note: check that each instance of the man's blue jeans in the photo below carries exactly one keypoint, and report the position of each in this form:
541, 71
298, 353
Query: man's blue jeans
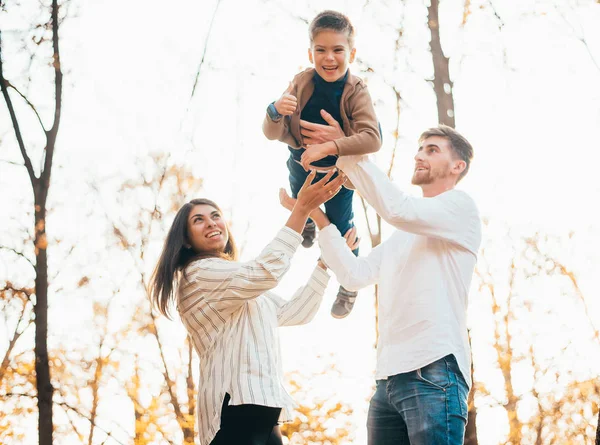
423, 407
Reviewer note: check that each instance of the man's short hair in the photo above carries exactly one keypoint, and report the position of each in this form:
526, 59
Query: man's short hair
461, 147
333, 21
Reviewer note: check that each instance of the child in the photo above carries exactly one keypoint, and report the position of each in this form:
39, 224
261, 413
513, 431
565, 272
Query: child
327, 91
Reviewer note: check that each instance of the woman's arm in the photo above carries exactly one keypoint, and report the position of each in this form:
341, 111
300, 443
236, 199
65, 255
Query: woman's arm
227, 285
305, 303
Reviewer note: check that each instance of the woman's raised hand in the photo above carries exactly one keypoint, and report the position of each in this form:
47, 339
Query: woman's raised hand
312, 195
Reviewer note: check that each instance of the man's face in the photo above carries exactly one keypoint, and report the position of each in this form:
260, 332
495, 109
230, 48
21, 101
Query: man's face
331, 54
434, 161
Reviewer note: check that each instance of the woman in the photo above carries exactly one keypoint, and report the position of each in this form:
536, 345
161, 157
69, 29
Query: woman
231, 315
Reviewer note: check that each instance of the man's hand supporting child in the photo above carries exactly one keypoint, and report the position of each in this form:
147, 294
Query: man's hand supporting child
319, 139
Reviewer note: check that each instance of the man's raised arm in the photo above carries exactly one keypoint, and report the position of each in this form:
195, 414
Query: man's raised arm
452, 216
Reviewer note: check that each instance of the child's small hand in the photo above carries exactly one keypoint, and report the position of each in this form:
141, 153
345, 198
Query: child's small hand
315, 152
286, 200
287, 103
351, 239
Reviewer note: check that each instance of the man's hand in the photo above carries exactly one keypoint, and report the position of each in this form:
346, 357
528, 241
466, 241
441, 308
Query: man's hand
286, 104
317, 133
313, 153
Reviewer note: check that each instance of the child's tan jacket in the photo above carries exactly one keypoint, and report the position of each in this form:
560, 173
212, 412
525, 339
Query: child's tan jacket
360, 123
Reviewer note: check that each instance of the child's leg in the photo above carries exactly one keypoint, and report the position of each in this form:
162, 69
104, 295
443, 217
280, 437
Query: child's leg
297, 176
340, 213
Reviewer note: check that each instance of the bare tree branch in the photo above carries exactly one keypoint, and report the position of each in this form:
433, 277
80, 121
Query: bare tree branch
58, 85
500, 21
205, 48
12, 163
86, 417
10, 85
579, 36
563, 270
65, 406
21, 254
15, 122
13, 341
170, 384
396, 132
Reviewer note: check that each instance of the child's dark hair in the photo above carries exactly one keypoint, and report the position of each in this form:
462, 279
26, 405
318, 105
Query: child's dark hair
333, 21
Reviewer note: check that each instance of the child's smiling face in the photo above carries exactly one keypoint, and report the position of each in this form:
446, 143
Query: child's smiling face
331, 54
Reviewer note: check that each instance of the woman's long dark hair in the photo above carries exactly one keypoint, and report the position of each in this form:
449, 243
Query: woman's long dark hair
177, 254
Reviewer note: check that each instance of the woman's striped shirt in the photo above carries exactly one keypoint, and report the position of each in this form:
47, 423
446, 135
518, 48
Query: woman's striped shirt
232, 319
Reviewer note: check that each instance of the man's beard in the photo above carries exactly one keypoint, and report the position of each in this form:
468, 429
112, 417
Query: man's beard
424, 179
421, 179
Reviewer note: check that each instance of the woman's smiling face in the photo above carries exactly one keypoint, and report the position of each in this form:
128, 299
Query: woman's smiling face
207, 229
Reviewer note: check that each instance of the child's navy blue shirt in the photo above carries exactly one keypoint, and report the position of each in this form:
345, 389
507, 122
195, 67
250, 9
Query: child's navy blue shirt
326, 96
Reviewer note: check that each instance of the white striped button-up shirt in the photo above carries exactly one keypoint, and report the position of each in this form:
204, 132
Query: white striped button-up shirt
232, 319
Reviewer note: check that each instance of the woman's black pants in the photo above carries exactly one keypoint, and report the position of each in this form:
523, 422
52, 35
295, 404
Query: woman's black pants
248, 425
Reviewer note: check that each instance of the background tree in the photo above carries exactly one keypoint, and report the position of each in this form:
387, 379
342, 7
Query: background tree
324, 419
551, 405
40, 184
511, 66
158, 191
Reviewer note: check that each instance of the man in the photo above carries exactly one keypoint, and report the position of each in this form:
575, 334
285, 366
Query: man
424, 271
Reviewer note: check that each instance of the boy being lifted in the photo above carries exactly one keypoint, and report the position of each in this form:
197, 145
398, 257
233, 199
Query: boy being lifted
326, 94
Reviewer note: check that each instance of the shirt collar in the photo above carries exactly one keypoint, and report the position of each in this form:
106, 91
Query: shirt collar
338, 84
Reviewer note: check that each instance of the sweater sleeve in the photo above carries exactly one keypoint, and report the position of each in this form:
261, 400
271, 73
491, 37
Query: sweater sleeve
451, 216
305, 303
280, 130
365, 137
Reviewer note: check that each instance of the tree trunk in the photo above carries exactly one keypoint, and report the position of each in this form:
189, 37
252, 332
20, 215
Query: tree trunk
471, 431
598, 430
40, 185
188, 434
42, 364
442, 85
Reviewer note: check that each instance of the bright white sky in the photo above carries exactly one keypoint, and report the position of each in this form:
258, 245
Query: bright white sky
528, 100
